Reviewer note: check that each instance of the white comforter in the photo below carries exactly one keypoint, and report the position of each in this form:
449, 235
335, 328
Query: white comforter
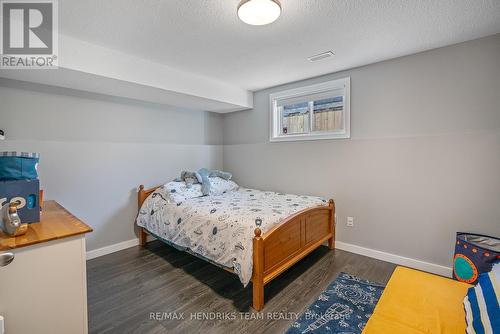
219, 228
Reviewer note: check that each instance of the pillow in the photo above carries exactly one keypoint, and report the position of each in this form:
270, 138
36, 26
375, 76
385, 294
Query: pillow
482, 310
219, 186
176, 192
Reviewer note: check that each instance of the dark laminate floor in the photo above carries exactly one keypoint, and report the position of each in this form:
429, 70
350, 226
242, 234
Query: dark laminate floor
125, 287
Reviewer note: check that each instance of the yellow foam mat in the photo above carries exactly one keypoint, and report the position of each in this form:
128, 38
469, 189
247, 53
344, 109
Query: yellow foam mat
417, 302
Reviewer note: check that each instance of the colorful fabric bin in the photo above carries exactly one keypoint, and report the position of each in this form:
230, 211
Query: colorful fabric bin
18, 166
474, 254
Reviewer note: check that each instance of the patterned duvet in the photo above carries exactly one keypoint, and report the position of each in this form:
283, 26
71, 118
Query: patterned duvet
219, 228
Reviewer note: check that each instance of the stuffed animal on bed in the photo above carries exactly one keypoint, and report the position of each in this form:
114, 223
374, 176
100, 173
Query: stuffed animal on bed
202, 176
207, 173
190, 178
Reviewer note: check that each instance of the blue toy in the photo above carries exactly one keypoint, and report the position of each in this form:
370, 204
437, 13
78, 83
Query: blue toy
202, 176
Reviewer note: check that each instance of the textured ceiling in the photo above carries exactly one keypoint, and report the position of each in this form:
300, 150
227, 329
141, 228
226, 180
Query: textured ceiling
205, 37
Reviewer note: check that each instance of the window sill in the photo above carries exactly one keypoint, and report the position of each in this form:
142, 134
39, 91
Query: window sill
306, 137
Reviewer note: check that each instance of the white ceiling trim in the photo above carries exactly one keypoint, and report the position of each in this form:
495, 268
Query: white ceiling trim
89, 67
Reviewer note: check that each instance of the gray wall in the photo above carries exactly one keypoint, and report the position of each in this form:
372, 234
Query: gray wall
96, 150
423, 160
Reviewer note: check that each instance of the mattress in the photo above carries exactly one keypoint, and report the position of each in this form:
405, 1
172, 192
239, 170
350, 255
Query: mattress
220, 228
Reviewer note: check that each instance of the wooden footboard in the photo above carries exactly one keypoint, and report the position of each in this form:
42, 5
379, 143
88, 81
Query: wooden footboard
281, 247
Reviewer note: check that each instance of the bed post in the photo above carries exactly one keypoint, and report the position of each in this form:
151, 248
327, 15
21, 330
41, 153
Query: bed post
142, 237
258, 270
141, 196
331, 241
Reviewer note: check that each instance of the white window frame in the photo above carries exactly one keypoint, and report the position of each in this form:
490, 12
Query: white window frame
274, 124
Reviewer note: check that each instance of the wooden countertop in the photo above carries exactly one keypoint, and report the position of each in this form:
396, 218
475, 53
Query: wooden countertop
55, 223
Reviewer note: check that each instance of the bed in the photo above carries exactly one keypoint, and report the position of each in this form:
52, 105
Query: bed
254, 234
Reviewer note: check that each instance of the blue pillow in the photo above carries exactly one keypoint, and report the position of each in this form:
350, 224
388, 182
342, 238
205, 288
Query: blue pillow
482, 310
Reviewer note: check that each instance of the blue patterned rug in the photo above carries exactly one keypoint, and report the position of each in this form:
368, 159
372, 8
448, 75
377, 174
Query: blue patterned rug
344, 307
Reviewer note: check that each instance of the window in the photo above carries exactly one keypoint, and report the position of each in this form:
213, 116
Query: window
320, 111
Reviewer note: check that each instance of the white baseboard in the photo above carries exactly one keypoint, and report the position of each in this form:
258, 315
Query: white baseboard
401, 260
115, 247
112, 248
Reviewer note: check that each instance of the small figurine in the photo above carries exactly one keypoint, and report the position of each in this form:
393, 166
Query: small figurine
10, 222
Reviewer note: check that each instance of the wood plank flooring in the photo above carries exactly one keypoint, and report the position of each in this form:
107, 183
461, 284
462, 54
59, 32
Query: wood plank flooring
125, 288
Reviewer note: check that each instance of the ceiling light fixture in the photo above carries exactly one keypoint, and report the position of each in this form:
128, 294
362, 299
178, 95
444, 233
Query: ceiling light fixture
259, 12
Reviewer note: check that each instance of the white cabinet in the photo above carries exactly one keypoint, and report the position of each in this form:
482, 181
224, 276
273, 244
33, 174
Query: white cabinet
44, 290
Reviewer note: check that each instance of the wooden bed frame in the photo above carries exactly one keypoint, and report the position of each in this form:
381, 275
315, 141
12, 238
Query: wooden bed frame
282, 246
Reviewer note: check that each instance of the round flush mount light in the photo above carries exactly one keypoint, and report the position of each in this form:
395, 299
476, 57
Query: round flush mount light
259, 12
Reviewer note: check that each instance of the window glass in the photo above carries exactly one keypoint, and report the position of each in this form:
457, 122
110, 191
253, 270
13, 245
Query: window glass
295, 118
328, 114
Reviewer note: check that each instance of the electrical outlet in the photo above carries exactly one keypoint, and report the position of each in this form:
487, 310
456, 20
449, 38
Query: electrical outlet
350, 221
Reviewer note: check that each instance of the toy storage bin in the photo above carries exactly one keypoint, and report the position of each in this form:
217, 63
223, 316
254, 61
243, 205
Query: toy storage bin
26, 193
474, 254
18, 166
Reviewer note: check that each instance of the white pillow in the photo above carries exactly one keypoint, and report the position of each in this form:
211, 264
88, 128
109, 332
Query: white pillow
219, 186
178, 191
